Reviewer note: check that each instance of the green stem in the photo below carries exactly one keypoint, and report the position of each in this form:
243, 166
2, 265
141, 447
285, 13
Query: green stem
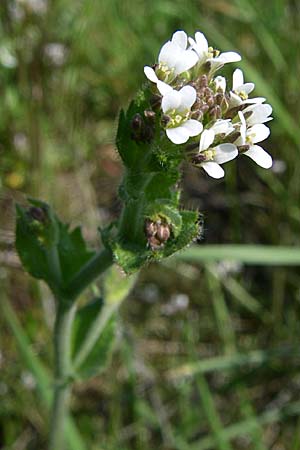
63, 371
131, 221
95, 331
89, 272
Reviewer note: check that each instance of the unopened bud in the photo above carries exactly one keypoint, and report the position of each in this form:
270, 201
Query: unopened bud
219, 98
203, 82
215, 112
154, 243
157, 233
149, 115
150, 228
204, 109
38, 214
163, 232
232, 112
198, 115
155, 101
198, 159
243, 148
210, 101
137, 122
165, 120
206, 67
232, 137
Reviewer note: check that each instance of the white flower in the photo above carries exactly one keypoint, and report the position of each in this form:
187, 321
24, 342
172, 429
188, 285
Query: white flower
255, 114
177, 106
220, 84
174, 58
206, 53
251, 136
241, 90
210, 158
222, 127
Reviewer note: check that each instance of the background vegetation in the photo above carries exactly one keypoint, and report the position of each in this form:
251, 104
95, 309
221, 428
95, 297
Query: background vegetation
208, 353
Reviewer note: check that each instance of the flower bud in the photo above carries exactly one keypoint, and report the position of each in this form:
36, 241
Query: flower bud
203, 82
150, 228
210, 101
155, 101
163, 232
38, 214
149, 115
165, 120
243, 148
157, 233
137, 122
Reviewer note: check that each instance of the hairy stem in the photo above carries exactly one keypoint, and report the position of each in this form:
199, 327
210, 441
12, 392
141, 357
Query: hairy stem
63, 371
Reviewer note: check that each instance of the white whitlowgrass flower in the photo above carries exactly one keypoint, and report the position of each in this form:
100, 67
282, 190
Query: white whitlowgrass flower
255, 114
206, 53
174, 58
210, 157
251, 136
241, 90
176, 105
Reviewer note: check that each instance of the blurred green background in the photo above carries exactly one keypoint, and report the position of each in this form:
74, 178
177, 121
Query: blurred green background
208, 354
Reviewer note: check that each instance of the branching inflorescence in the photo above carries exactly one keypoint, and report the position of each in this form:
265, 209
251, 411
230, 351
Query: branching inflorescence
196, 103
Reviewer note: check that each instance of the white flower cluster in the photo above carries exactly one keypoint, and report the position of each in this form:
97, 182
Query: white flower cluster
197, 104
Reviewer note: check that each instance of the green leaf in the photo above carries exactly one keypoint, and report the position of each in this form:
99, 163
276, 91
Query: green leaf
87, 322
30, 244
131, 151
72, 251
47, 248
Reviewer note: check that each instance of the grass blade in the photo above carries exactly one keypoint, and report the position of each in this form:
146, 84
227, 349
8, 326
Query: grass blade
247, 254
39, 372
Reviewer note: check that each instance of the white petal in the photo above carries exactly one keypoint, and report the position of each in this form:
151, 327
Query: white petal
207, 138
220, 83
260, 131
237, 79
225, 152
193, 127
180, 38
201, 42
247, 87
185, 61
243, 129
170, 101
177, 135
163, 88
260, 156
260, 113
234, 100
188, 97
213, 169
192, 42
254, 100
150, 74
228, 57
242, 119
169, 54
222, 126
